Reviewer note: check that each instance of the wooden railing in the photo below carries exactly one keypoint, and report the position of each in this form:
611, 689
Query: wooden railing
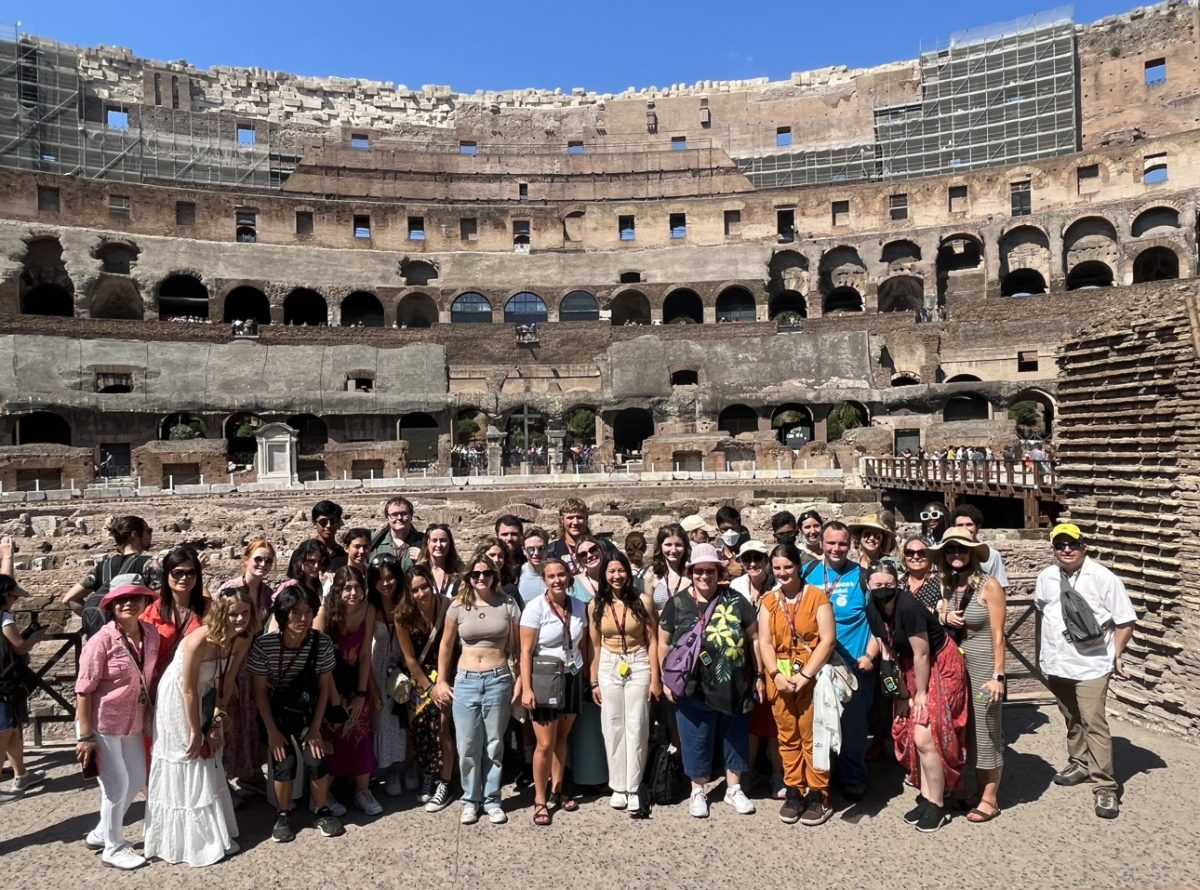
68, 644
1001, 475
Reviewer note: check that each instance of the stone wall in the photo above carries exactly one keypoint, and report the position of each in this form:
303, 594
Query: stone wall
155, 462
1129, 458
55, 466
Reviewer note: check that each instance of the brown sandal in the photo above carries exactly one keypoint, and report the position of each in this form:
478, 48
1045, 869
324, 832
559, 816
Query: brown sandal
541, 814
565, 802
977, 816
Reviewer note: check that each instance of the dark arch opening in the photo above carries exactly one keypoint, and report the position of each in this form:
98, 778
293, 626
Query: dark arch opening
905, 378
788, 306
968, 406
117, 258
242, 446
312, 434
418, 273
1155, 220
737, 419
736, 305
471, 308
793, 425
683, 307
900, 252
48, 299
247, 304
1088, 275
1022, 283
631, 428
685, 378
42, 428
525, 308
1156, 264
420, 431
901, 293
416, 311
305, 307
180, 426
631, 308
844, 416
182, 296
579, 305
843, 299
957, 255
362, 309
964, 378
1033, 413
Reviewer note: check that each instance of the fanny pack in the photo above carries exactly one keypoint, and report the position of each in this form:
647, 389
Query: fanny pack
549, 681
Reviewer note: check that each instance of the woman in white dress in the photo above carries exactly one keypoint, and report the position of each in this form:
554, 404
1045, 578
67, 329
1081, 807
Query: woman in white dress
389, 721
189, 811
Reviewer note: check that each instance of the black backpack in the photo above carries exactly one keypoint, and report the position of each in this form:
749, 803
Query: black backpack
665, 781
1079, 621
131, 568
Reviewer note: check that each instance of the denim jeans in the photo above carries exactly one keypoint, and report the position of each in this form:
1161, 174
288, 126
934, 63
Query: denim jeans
701, 727
482, 704
852, 759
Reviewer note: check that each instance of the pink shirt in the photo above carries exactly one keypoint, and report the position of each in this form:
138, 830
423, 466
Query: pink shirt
107, 672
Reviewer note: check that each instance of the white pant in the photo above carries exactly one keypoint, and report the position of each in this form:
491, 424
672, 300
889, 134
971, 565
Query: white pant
625, 718
122, 777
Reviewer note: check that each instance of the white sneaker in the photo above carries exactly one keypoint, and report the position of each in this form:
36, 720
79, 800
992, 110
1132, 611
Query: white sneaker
698, 806
496, 814
366, 802
330, 801
94, 839
737, 799
470, 814
124, 858
619, 800
633, 803
27, 780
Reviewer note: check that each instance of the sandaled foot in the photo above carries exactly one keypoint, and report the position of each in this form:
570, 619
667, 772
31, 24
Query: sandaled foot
978, 815
565, 802
541, 814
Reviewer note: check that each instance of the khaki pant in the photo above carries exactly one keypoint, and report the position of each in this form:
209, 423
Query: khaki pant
1089, 742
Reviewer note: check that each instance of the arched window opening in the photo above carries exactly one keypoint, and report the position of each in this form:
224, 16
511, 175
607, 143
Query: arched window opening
788, 307
630, 308
843, 299
525, 308
240, 428
793, 425
631, 428
901, 293
471, 308
42, 428
683, 307
182, 296
1156, 221
1023, 283
362, 310
420, 431
1089, 275
306, 308
1156, 264
48, 299
247, 304
579, 305
845, 416
180, 427
738, 419
685, 378
311, 433
735, 305
417, 311
968, 406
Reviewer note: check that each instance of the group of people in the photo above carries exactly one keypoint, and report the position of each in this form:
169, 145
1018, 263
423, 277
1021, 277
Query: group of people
392, 658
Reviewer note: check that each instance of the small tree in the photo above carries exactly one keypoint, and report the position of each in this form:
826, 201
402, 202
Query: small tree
844, 416
581, 427
183, 431
1028, 417
466, 430
247, 428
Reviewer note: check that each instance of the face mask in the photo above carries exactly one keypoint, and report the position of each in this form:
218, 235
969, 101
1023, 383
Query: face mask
884, 595
730, 536
786, 538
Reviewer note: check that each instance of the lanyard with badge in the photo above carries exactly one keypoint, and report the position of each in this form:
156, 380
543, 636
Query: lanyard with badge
568, 647
624, 670
137, 654
792, 613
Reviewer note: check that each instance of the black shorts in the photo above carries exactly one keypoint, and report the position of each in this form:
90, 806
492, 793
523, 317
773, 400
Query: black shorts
572, 704
286, 770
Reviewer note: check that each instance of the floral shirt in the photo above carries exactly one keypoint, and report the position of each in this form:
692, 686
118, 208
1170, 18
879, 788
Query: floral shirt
727, 663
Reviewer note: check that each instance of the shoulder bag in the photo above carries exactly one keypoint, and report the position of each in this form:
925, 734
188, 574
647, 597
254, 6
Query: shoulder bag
399, 685
679, 667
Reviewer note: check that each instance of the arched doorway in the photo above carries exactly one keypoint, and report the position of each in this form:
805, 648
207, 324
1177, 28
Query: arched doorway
683, 306
1033, 412
843, 299
737, 419
1156, 264
362, 310
788, 307
525, 308
48, 299
901, 293
247, 304
416, 311
1023, 283
579, 305
182, 296
845, 416
793, 425
418, 273
42, 428
180, 427
525, 437
966, 406
631, 428
959, 264
735, 305
1156, 221
305, 307
630, 308
241, 445
471, 308
1089, 275
420, 431
44, 285
312, 434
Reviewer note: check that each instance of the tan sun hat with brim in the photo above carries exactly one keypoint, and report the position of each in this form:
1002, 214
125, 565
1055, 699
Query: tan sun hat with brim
871, 520
753, 546
693, 523
959, 536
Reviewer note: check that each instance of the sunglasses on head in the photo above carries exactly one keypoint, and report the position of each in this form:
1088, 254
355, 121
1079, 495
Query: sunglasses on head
1072, 546
915, 554
931, 514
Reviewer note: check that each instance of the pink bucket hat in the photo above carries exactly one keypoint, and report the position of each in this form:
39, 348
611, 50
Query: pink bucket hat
124, 592
705, 555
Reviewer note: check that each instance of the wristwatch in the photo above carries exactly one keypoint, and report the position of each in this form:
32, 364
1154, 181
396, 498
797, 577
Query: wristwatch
998, 677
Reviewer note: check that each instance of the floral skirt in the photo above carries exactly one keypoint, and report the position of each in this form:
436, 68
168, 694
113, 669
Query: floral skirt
946, 715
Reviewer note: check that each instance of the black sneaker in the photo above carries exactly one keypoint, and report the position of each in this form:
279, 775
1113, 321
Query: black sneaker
524, 779
282, 832
789, 813
933, 818
1107, 806
817, 811
428, 786
328, 824
913, 816
1074, 774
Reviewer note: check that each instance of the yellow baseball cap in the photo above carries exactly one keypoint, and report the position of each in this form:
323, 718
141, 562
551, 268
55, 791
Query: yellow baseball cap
1068, 529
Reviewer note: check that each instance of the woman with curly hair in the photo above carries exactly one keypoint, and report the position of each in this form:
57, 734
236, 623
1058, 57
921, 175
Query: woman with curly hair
189, 811
349, 620
308, 563
624, 676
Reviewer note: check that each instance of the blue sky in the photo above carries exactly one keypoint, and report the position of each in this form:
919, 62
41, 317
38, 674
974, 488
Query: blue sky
471, 45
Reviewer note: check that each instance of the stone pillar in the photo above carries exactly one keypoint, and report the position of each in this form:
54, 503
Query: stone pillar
555, 452
495, 438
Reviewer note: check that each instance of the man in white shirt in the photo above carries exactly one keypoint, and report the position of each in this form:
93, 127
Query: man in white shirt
1079, 673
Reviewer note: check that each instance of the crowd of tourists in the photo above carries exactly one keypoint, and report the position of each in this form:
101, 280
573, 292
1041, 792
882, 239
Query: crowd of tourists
413, 662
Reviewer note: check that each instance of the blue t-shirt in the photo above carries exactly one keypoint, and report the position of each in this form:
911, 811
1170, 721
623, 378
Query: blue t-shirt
849, 599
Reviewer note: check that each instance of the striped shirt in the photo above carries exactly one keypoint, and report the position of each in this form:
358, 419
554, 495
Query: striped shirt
281, 667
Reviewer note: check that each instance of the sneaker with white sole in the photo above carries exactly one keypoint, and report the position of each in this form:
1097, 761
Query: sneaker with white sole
633, 803
27, 780
394, 783
428, 786
328, 824
94, 839
698, 806
495, 814
282, 832
737, 799
5, 797
470, 814
124, 858
440, 799
619, 800
366, 802
331, 804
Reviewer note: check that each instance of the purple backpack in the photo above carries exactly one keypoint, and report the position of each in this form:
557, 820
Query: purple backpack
679, 669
